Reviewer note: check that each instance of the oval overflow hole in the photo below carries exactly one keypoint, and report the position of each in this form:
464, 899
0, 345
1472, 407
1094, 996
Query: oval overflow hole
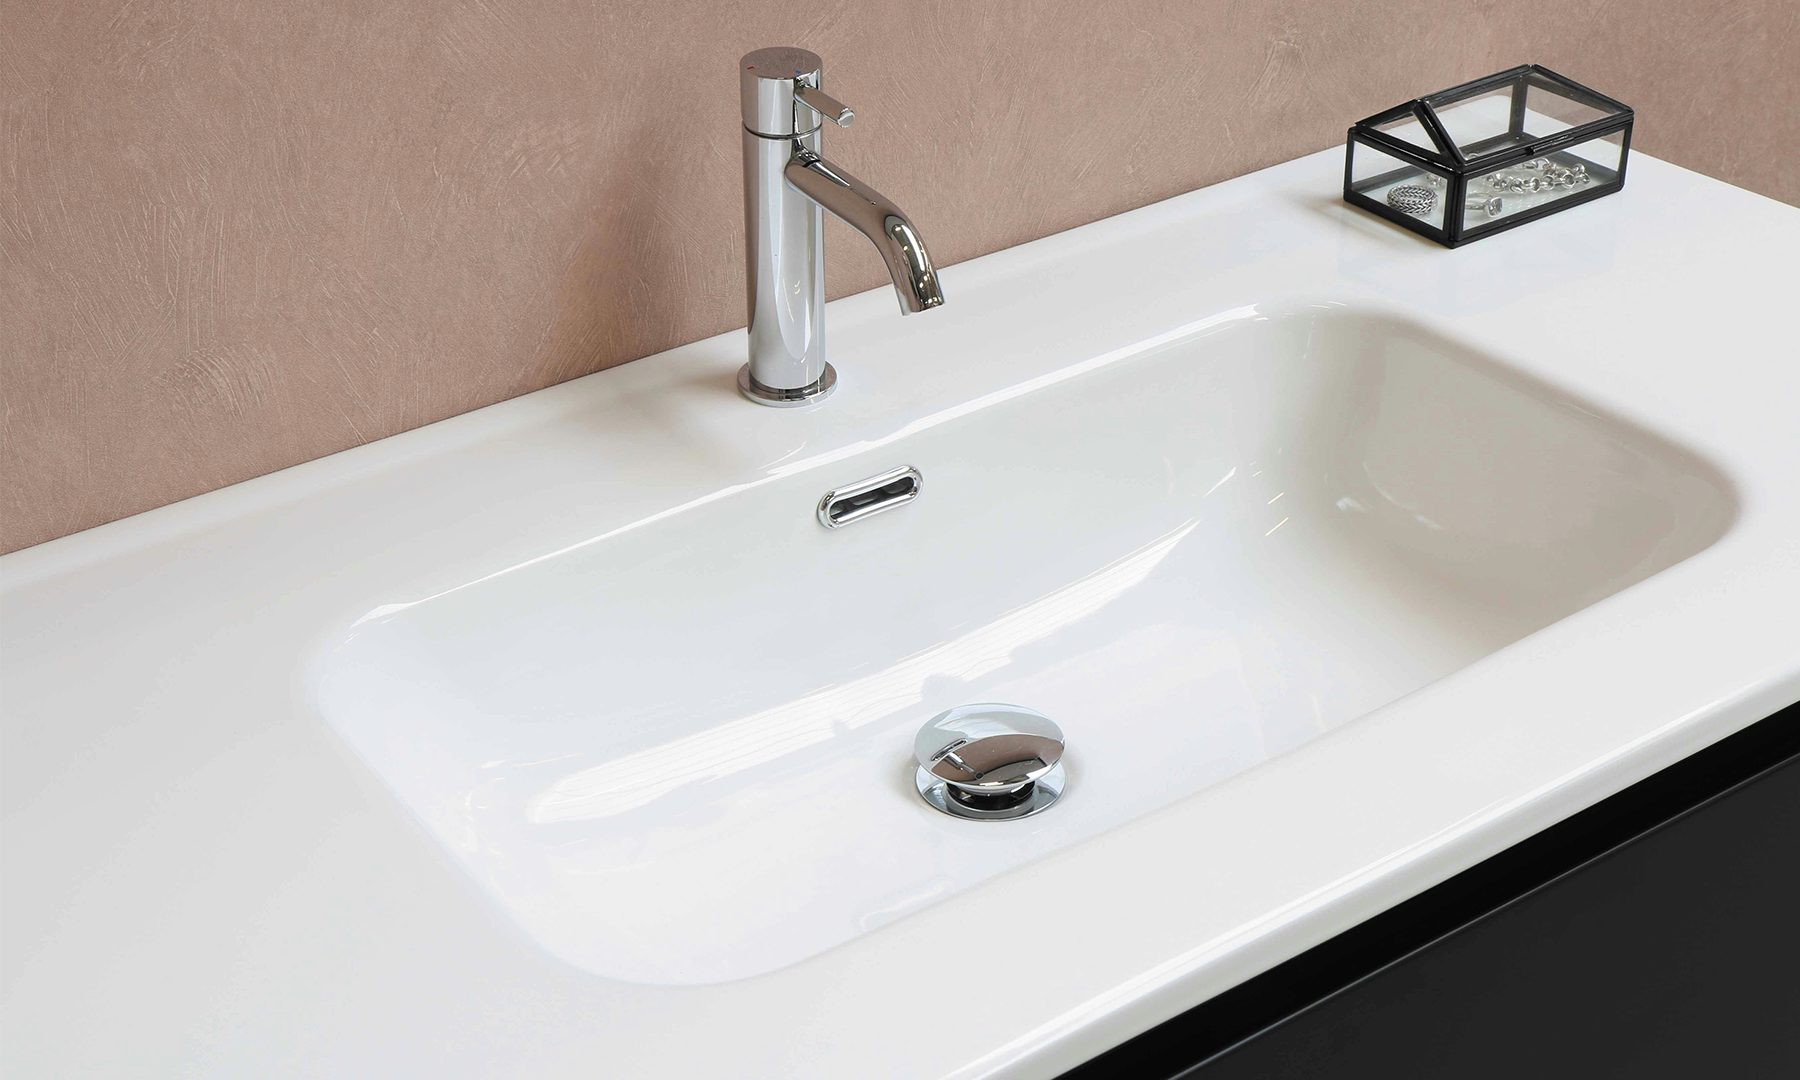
866, 498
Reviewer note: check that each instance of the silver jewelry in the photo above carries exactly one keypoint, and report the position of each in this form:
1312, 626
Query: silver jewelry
1552, 176
1412, 199
1489, 205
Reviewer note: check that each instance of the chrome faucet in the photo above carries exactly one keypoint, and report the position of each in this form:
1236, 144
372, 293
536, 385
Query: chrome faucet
786, 185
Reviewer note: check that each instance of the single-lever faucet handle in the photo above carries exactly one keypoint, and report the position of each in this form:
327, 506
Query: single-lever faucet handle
773, 81
825, 105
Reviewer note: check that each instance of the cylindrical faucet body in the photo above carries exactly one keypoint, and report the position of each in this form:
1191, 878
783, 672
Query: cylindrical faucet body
784, 234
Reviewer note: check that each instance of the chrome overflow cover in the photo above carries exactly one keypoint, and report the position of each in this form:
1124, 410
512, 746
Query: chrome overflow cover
990, 762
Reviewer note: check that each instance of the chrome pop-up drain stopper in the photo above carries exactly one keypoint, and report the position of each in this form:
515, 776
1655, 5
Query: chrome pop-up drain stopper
990, 762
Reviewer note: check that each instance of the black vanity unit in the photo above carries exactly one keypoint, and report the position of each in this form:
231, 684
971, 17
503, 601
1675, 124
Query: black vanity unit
1653, 935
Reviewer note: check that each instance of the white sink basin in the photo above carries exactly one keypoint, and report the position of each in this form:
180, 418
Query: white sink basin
1201, 482
681, 753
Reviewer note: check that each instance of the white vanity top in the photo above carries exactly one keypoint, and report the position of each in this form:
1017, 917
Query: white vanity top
222, 856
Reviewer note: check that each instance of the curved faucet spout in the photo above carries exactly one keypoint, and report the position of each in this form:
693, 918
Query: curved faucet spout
875, 216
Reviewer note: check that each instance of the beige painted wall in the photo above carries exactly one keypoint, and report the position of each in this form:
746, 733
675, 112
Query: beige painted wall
234, 237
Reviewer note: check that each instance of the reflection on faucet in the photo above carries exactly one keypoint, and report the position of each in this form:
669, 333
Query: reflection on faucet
875, 216
787, 186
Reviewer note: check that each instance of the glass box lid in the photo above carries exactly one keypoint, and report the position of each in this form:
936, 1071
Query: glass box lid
1492, 117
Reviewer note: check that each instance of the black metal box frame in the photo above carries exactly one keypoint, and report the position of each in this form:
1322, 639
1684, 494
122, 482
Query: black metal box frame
1461, 164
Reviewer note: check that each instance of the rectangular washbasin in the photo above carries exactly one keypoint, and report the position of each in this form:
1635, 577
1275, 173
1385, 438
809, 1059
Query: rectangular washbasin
682, 753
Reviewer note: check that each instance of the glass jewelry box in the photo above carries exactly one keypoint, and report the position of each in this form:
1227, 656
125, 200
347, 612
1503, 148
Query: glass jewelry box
1488, 155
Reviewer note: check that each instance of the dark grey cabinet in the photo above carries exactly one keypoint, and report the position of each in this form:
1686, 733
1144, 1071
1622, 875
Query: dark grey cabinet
1654, 935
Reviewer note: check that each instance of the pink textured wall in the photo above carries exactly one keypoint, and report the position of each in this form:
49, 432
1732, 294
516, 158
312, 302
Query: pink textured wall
237, 236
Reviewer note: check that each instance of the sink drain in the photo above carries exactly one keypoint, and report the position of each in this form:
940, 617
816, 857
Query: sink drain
990, 762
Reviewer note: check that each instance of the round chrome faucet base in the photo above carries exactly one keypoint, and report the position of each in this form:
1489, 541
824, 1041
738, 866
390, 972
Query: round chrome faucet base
1034, 798
787, 399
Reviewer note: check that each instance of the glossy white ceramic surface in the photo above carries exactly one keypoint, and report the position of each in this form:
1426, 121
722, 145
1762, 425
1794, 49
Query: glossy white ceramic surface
1195, 554
501, 747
